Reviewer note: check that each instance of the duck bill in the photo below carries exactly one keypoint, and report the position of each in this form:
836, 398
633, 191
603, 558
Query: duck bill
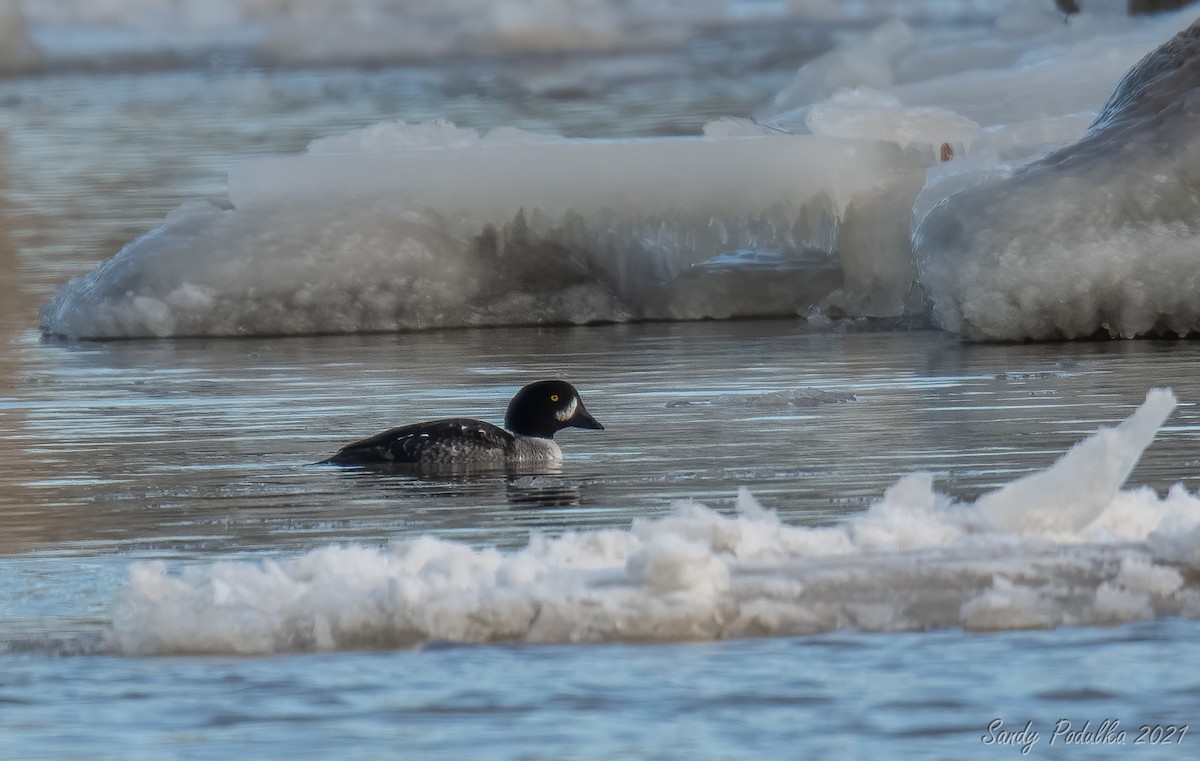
583, 419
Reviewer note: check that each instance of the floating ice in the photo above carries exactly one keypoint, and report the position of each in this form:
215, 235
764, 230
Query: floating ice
1066, 546
866, 114
1065, 248
1087, 478
455, 229
1098, 237
1027, 65
868, 62
399, 227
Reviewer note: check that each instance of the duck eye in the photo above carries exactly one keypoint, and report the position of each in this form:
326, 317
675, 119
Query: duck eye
554, 397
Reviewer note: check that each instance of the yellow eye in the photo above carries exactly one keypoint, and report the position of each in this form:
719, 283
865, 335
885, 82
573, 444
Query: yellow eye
554, 397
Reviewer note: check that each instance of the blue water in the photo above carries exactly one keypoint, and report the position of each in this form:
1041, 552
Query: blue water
927, 695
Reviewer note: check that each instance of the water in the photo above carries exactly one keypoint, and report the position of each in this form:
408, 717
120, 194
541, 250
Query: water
835, 696
197, 452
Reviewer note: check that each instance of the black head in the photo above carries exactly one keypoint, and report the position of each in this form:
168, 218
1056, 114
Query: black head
546, 407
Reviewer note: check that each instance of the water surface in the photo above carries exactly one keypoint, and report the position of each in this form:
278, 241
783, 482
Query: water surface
199, 451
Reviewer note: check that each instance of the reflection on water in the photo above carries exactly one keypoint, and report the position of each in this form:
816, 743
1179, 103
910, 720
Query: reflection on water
547, 488
544, 491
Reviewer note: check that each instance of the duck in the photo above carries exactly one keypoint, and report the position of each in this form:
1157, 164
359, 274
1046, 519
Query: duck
537, 412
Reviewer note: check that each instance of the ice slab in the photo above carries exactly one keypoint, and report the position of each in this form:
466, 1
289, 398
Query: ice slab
456, 230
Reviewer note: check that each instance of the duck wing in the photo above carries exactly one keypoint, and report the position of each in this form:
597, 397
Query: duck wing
450, 440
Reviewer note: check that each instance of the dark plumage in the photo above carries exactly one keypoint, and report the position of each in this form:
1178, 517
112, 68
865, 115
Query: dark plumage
534, 415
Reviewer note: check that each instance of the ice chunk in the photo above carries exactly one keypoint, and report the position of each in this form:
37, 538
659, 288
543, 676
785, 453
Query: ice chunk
982, 77
1098, 237
388, 137
416, 226
867, 114
1065, 498
867, 62
997, 100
